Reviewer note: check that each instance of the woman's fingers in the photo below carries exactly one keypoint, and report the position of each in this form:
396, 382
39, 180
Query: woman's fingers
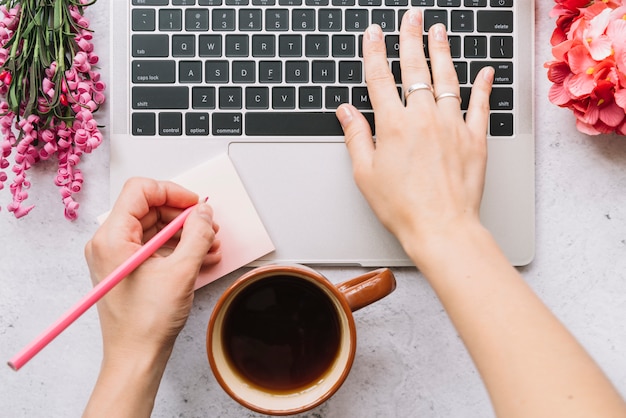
415, 73
446, 82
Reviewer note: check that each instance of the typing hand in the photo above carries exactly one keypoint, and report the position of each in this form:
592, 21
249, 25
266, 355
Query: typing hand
424, 175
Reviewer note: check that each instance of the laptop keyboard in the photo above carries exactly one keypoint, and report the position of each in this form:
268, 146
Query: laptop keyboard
281, 67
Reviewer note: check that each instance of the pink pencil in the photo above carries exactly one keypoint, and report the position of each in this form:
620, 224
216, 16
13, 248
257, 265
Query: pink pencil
100, 290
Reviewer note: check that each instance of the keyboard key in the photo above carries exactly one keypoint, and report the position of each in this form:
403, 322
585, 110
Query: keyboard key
386, 19
170, 20
203, 97
392, 43
227, 124
150, 46
257, 98
270, 72
277, 20
230, 98
316, 46
475, 47
292, 123
461, 71
184, 2
183, 46
297, 72
144, 124
323, 71
209, 2
150, 2
343, 3
501, 124
145, 71
350, 72
503, 74
236, 2
501, 98
244, 72
250, 20
370, 2
422, 2
216, 71
263, 46
190, 71
501, 3
343, 46
310, 97
495, 21
356, 20
170, 123
290, 45
475, 3
462, 21
361, 98
223, 20
336, 96
210, 45
303, 19
284, 98
143, 20
501, 47
197, 124
197, 20
448, 3
329, 20
175, 97
236, 45
435, 16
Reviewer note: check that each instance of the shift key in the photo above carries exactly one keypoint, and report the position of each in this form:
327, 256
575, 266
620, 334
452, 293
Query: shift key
160, 97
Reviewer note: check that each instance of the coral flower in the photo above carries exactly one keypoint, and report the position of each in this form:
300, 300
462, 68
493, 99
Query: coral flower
589, 67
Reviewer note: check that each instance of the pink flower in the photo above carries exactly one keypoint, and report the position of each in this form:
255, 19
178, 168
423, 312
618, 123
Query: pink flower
61, 123
589, 67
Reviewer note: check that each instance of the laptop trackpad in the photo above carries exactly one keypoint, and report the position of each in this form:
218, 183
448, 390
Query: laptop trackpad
314, 213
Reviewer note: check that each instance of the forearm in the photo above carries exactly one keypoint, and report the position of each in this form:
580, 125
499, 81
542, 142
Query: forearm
531, 365
127, 385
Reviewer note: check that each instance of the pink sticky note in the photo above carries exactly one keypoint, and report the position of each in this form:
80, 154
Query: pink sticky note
242, 234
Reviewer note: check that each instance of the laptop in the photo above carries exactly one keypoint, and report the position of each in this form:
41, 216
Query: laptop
259, 80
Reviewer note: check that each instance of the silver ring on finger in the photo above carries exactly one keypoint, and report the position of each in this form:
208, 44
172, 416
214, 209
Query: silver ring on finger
445, 95
418, 86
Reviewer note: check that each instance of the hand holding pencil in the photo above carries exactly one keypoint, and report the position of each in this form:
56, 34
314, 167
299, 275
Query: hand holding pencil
147, 310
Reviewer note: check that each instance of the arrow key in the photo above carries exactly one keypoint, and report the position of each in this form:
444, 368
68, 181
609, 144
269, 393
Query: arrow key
501, 124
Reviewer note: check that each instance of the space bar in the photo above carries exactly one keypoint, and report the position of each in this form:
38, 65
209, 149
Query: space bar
292, 123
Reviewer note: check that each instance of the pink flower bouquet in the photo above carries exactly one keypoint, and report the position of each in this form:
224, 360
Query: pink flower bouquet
49, 91
589, 68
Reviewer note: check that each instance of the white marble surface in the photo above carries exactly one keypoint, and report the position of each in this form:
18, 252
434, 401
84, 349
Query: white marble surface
410, 361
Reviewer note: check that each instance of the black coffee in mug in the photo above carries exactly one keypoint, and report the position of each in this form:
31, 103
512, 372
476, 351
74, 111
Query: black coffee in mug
281, 333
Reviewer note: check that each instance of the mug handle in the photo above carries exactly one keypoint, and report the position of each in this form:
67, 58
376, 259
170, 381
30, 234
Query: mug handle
367, 288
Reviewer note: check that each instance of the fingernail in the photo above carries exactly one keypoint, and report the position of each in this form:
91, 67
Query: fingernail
440, 32
344, 115
205, 212
374, 33
488, 73
415, 17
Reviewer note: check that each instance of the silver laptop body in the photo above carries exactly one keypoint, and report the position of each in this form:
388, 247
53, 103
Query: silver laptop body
260, 79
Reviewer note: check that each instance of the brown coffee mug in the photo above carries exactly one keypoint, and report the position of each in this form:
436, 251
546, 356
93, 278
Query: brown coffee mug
281, 340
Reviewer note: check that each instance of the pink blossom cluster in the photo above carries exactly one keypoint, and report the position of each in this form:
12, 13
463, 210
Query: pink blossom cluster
76, 92
589, 67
